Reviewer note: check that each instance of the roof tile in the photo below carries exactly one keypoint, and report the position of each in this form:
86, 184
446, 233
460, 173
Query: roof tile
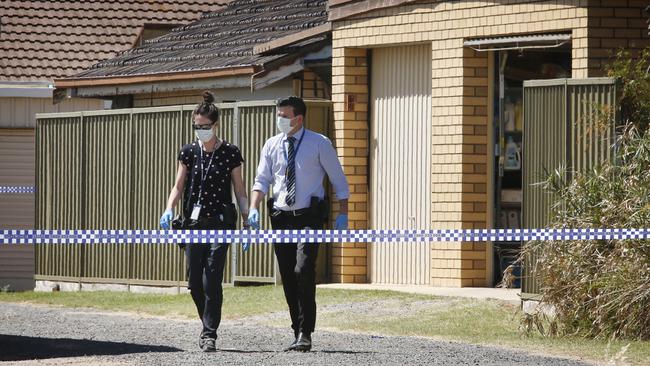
221, 39
55, 39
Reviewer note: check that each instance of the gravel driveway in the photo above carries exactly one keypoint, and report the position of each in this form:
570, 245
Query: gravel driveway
31, 334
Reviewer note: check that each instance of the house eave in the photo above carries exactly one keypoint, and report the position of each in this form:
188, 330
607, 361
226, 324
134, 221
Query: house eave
140, 79
236, 81
347, 9
26, 89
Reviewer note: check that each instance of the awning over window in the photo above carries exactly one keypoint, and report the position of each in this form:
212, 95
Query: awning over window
519, 42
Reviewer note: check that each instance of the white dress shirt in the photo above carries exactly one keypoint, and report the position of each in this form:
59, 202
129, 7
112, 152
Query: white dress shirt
315, 157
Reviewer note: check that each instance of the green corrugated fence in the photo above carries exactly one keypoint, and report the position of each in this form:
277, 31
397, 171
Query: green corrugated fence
114, 170
560, 130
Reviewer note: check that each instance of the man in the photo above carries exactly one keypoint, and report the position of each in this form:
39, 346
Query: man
294, 163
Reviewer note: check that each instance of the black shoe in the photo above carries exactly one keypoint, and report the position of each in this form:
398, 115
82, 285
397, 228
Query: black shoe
208, 344
303, 343
293, 344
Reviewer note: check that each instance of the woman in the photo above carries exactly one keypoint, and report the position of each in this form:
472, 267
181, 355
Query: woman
207, 169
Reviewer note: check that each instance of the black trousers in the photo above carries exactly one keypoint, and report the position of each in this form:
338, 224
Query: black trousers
205, 264
297, 263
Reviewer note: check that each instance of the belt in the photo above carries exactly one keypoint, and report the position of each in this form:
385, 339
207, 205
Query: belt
290, 213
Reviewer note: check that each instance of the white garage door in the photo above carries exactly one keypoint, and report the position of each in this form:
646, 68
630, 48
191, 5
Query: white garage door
401, 160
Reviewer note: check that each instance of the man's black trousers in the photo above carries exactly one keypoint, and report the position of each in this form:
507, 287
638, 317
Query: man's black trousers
297, 263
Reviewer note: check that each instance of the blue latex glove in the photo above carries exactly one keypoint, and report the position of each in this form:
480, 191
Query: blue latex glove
245, 245
341, 222
254, 218
166, 218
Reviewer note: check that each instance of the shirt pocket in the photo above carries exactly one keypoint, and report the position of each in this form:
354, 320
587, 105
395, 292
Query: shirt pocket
307, 160
278, 163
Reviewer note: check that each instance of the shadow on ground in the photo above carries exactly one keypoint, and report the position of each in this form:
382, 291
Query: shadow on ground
17, 348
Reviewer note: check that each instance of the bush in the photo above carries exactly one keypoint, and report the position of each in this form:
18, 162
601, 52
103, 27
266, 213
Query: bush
601, 288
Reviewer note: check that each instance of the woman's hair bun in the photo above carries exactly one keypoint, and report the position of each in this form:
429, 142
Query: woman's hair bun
208, 97
207, 108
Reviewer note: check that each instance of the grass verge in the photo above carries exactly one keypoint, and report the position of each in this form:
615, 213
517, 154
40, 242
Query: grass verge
487, 322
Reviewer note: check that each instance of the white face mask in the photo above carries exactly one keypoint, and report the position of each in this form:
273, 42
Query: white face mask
204, 135
284, 124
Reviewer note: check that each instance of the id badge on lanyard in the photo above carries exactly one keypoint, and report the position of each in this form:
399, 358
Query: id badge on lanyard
196, 209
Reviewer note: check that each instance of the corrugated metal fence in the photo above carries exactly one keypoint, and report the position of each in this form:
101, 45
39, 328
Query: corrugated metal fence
17, 209
114, 170
560, 129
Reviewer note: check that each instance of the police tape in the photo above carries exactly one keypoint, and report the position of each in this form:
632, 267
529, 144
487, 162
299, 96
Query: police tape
310, 236
17, 189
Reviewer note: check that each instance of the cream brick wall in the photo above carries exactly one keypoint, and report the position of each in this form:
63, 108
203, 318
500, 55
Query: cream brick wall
447, 24
313, 86
350, 78
459, 92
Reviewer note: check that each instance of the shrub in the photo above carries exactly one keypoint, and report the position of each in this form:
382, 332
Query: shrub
601, 288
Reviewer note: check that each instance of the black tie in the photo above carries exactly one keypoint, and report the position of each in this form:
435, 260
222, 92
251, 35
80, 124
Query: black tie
291, 172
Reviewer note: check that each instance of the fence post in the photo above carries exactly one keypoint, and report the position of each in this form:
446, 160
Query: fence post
568, 134
234, 251
182, 255
82, 200
130, 255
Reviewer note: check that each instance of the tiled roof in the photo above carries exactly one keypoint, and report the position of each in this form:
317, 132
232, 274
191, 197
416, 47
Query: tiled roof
43, 40
220, 40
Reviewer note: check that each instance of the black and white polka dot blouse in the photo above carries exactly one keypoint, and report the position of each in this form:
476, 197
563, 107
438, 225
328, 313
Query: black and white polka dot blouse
217, 186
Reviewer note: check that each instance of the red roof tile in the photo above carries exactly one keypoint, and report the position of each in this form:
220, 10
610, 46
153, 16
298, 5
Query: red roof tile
44, 40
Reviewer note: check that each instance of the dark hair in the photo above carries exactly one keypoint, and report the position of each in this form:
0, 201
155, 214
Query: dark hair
207, 108
298, 105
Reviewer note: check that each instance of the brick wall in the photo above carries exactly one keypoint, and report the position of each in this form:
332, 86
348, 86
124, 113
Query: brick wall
614, 24
446, 23
459, 92
350, 98
459, 183
474, 164
313, 86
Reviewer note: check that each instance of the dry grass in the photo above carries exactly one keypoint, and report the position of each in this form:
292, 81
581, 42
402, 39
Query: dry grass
601, 288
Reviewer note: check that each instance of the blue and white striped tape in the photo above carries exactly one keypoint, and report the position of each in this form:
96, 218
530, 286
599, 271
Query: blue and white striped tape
16, 189
300, 236
308, 236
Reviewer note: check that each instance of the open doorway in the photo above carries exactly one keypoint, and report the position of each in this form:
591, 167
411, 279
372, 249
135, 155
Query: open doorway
512, 67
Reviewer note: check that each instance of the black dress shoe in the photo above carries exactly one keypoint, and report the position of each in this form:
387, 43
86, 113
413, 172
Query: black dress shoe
303, 343
207, 344
293, 344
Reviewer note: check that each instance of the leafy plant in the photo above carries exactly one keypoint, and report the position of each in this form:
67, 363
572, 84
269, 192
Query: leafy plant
601, 288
